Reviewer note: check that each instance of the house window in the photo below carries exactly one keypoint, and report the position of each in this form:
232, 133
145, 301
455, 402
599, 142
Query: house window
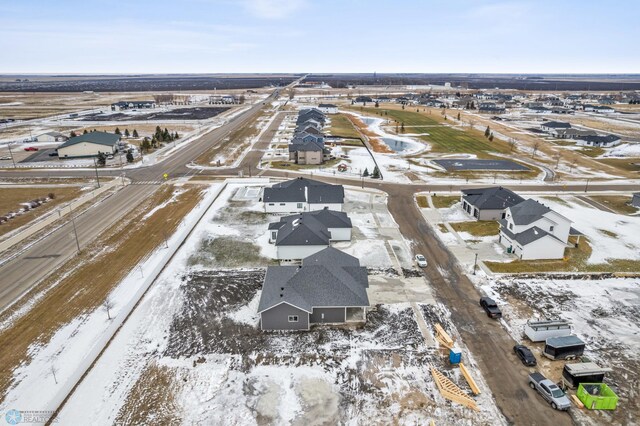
511, 226
299, 205
282, 204
274, 235
293, 318
551, 228
271, 204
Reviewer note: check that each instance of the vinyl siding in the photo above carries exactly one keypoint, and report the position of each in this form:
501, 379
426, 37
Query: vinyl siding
277, 318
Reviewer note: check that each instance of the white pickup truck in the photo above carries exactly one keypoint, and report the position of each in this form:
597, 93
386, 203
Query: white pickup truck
549, 391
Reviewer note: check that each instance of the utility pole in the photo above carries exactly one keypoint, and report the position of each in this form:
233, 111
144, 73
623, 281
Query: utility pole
75, 231
95, 164
475, 264
11, 154
587, 186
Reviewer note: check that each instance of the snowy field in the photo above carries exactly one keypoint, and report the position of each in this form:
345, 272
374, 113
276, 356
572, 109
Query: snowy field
605, 314
192, 353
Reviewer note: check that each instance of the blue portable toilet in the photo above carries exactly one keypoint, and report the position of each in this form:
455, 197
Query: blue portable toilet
455, 355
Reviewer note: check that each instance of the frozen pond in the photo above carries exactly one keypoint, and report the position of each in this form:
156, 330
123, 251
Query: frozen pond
397, 145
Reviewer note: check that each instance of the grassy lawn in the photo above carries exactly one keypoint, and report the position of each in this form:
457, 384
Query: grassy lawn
592, 151
10, 199
617, 203
483, 228
81, 284
627, 164
289, 165
444, 201
342, 126
422, 201
351, 142
442, 228
575, 261
442, 138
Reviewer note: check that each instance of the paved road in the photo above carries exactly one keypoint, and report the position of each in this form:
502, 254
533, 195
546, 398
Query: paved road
20, 273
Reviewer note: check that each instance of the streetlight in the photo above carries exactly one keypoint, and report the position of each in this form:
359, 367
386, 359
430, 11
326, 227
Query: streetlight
75, 231
587, 186
475, 264
95, 164
11, 154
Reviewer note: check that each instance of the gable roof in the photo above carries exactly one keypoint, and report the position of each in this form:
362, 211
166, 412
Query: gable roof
100, 138
527, 236
298, 189
528, 212
600, 139
309, 228
327, 106
556, 124
327, 278
492, 198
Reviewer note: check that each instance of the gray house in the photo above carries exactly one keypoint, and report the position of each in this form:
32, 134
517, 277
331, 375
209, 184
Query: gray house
329, 288
635, 201
298, 236
488, 203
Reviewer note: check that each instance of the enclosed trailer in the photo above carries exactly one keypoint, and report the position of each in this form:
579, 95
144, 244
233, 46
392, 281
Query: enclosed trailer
567, 347
583, 372
539, 331
597, 396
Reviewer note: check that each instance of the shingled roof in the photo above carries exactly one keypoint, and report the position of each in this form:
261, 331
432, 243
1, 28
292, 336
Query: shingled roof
528, 212
493, 198
100, 138
327, 278
303, 189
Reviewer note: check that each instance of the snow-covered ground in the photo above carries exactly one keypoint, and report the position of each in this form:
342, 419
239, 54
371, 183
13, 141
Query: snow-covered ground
611, 235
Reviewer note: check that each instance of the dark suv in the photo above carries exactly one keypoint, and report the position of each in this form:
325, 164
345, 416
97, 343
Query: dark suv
525, 355
490, 307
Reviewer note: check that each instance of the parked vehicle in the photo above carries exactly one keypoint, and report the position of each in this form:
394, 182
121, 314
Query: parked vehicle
31, 148
539, 331
490, 307
110, 157
583, 372
549, 391
421, 261
5, 157
567, 347
525, 355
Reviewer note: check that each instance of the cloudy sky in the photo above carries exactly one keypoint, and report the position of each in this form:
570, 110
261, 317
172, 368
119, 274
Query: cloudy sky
207, 36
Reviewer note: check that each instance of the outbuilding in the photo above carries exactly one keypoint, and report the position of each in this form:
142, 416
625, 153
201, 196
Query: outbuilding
89, 145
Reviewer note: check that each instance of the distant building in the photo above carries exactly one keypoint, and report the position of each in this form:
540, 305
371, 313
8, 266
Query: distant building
550, 126
51, 137
328, 108
124, 105
600, 141
329, 288
89, 145
635, 200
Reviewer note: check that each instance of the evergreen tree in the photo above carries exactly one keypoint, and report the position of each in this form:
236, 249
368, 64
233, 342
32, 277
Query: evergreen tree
145, 145
365, 173
135, 133
102, 159
72, 134
166, 136
126, 132
458, 116
376, 173
158, 133
117, 131
377, 105
85, 132
154, 142
176, 135
487, 132
130, 156
402, 127
491, 137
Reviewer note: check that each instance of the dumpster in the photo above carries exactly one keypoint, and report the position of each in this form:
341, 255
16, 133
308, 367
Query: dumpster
455, 355
597, 396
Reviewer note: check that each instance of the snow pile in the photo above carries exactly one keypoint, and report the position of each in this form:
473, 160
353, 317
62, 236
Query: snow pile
625, 150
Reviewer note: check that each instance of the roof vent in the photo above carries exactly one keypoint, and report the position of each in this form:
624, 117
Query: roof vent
280, 294
281, 288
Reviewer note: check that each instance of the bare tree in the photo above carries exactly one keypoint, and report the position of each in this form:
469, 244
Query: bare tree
108, 305
572, 164
536, 145
557, 156
54, 370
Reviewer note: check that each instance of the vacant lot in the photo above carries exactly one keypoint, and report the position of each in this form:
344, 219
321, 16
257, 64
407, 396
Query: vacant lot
444, 201
10, 199
618, 203
341, 126
484, 228
83, 283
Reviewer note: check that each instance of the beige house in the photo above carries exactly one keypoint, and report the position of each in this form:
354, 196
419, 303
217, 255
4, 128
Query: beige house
89, 145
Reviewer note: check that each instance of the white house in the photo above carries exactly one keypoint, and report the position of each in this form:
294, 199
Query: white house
605, 141
531, 230
302, 195
89, 145
51, 137
328, 108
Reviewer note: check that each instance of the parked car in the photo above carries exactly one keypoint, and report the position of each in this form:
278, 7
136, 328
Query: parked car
6, 157
31, 148
421, 261
490, 307
525, 355
549, 391
110, 157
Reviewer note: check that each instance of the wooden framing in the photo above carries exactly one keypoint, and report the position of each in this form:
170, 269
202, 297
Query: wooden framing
469, 378
449, 390
443, 337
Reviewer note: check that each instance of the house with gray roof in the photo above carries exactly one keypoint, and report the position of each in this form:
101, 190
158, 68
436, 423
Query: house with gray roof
328, 108
601, 141
300, 235
488, 203
552, 127
330, 287
302, 195
531, 230
89, 145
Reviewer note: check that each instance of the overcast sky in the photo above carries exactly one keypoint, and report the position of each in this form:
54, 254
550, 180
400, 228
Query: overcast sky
210, 36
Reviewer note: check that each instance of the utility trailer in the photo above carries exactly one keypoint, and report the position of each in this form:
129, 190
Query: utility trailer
583, 372
539, 331
567, 347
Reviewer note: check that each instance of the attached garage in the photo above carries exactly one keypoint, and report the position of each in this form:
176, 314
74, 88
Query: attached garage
89, 145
